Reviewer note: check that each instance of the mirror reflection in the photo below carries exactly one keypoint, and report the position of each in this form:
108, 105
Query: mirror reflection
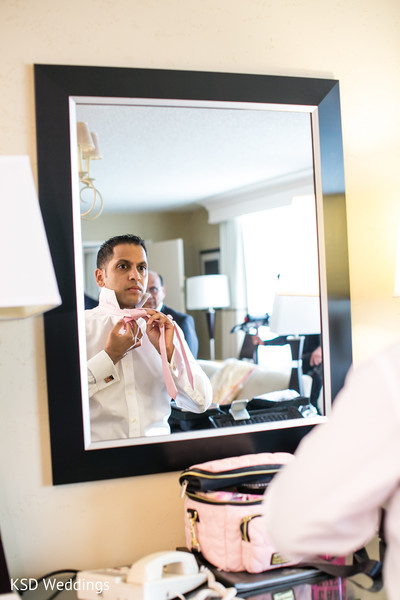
213, 191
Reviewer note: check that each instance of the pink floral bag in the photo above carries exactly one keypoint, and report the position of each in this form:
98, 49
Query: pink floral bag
222, 506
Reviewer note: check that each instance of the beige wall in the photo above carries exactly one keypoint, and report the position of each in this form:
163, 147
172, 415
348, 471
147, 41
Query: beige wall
357, 42
192, 226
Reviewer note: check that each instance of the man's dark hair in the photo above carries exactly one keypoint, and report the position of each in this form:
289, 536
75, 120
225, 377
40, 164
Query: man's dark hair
106, 250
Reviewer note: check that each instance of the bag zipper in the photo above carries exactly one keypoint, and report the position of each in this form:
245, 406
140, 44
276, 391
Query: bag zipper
237, 502
236, 475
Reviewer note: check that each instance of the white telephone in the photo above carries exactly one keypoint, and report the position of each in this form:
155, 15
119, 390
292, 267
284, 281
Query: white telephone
158, 576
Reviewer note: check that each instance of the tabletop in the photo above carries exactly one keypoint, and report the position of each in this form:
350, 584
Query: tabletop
313, 586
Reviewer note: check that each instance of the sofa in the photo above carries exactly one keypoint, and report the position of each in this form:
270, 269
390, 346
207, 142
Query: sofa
234, 379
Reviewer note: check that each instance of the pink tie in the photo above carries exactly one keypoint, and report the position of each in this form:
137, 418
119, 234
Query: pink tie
133, 314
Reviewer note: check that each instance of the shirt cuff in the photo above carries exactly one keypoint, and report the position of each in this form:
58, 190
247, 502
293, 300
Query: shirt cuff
104, 372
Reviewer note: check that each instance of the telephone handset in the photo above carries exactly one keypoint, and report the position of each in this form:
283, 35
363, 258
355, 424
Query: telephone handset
158, 576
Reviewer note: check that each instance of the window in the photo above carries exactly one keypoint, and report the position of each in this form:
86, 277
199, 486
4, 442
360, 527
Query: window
280, 246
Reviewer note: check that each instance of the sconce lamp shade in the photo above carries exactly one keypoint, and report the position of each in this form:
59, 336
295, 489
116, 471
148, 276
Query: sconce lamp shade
207, 291
295, 315
85, 140
95, 153
28, 283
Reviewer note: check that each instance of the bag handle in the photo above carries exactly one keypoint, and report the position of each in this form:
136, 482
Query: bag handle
362, 564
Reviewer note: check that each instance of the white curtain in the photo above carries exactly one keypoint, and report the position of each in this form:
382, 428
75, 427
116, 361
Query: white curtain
232, 264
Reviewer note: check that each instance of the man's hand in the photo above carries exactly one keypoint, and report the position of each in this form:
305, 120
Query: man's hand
155, 322
121, 339
256, 340
316, 357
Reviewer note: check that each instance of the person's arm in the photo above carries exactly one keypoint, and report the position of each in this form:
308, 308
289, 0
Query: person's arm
328, 500
102, 372
122, 338
316, 357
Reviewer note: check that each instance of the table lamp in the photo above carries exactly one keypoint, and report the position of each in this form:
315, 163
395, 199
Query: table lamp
295, 317
208, 292
29, 285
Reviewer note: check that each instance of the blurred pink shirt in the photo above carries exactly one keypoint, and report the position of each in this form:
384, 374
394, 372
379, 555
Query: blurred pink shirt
329, 499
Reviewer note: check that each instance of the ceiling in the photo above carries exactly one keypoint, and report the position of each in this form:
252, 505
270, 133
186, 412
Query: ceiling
174, 157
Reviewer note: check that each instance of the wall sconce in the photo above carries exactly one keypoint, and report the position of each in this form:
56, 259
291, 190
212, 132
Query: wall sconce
88, 149
29, 285
208, 292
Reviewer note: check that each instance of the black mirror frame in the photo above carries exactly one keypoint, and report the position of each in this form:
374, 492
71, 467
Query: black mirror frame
54, 85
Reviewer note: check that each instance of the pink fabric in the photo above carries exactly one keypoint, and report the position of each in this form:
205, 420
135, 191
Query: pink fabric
218, 532
133, 314
329, 499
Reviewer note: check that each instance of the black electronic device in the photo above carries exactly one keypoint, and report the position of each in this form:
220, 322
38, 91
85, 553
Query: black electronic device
257, 416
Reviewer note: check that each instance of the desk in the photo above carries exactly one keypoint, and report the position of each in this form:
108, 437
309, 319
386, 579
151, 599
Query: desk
321, 588
298, 583
315, 586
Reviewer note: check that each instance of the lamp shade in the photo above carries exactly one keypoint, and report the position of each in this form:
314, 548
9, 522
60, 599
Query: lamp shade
95, 153
85, 140
28, 283
295, 315
207, 291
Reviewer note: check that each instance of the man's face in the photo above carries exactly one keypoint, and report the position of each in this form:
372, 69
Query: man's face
156, 291
126, 274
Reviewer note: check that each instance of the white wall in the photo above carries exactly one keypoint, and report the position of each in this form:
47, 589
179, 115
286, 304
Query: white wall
357, 42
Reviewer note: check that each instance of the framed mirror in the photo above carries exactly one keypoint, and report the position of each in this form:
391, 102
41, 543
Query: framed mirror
63, 93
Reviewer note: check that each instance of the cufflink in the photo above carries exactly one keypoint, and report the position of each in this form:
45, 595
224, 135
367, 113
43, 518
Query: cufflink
109, 378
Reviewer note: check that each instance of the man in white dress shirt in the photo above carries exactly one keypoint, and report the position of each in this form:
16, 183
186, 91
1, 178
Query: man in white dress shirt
329, 499
127, 392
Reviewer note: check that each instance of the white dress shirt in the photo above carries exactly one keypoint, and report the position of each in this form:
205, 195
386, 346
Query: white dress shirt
129, 399
329, 499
